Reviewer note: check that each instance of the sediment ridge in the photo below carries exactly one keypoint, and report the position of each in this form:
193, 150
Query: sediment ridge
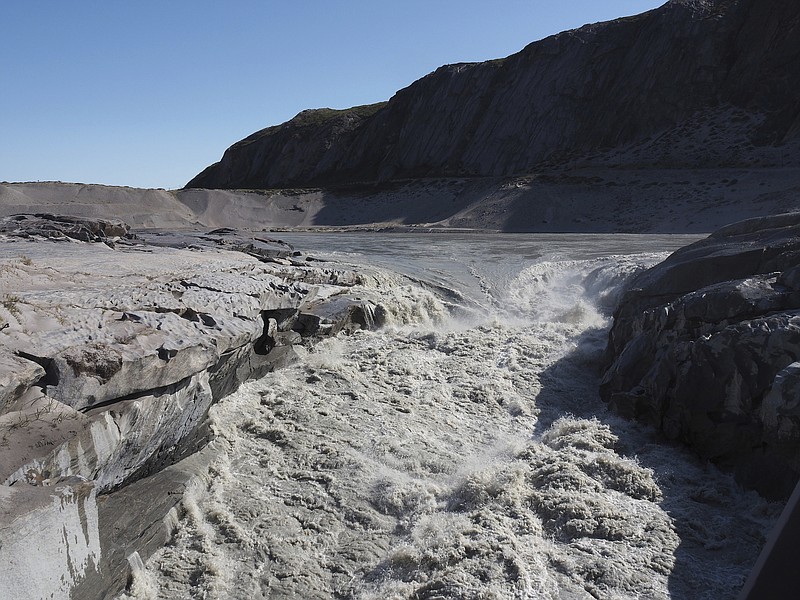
569, 200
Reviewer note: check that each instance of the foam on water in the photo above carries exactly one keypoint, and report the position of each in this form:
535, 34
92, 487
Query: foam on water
454, 457
582, 292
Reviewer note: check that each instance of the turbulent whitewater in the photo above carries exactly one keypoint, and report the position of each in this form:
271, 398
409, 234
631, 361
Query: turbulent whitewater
461, 451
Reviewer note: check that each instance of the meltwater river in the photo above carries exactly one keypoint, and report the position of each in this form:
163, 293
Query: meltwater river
461, 451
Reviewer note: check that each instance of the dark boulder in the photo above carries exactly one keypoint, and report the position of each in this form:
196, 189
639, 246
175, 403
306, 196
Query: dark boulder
705, 345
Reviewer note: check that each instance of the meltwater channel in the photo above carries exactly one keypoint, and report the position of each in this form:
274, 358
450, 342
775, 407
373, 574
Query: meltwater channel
462, 450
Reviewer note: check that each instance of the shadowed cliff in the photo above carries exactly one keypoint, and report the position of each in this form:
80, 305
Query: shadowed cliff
723, 76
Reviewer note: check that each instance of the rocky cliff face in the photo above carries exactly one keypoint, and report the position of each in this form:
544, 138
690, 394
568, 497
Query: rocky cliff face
705, 346
113, 350
688, 69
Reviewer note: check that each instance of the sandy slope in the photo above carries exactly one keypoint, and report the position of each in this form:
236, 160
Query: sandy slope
137, 207
589, 199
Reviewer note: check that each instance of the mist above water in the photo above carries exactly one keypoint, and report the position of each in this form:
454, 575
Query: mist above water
460, 452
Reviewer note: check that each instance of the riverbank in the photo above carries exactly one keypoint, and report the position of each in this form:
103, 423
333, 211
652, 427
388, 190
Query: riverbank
560, 200
113, 350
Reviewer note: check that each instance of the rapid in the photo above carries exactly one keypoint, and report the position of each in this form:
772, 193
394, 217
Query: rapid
460, 451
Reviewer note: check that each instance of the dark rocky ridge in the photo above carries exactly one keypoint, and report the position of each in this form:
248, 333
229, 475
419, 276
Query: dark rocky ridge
705, 346
733, 64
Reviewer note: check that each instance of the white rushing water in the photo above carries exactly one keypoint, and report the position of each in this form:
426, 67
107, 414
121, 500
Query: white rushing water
459, 452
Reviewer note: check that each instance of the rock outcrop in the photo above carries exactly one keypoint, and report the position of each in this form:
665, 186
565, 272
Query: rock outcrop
705, 346
296, 146
114, 347
61, 227
693, 83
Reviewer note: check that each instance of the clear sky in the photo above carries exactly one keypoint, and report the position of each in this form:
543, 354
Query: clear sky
147, 93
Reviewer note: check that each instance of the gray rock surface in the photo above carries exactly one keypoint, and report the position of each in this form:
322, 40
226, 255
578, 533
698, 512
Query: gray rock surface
50, 538
111, 356
16, 376
705, 345
57, 227
692, 84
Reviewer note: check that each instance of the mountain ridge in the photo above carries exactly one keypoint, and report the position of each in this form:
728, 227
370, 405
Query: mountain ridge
587, 90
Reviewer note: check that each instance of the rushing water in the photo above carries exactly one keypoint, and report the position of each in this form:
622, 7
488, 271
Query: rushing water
460, 452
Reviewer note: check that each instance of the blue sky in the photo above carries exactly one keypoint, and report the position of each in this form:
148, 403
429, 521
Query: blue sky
147, 93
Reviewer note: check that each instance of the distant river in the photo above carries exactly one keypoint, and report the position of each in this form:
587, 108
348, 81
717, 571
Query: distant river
462, 451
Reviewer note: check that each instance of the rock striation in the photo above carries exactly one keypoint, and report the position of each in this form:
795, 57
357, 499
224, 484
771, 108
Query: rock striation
706, 347
695, 83
113, 347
